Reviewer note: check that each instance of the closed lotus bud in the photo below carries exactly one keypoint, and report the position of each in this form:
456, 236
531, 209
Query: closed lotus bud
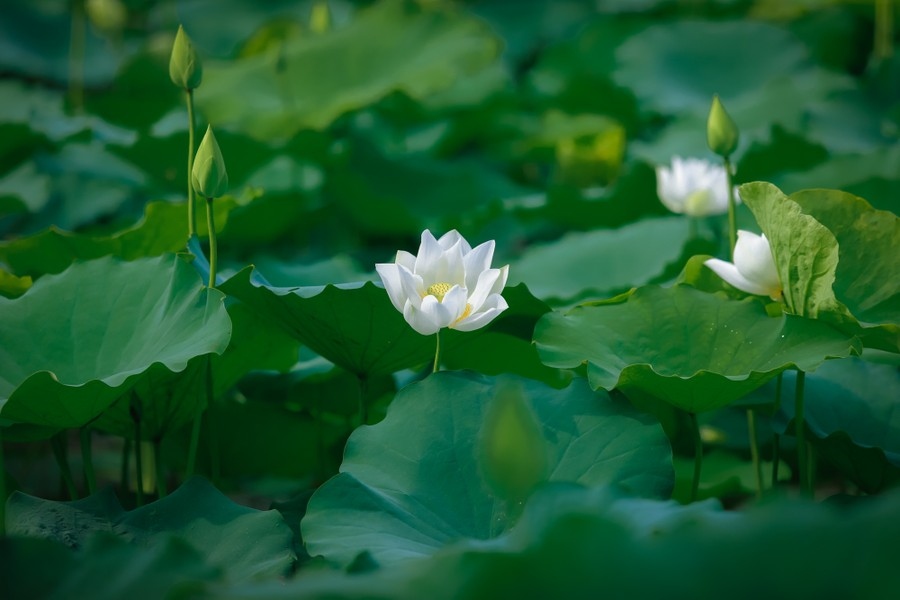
107, 15
721, 130
209, 177
513, 457
184, 65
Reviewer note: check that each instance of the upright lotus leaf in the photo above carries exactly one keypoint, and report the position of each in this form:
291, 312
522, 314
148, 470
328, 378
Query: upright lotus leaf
695, 350
77, 341
243, 542
853, 409
805, 251
867, 279
416, 482
389, 46
162, 229
353, 325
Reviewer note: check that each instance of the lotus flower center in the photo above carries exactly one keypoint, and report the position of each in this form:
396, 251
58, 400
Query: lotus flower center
698, 203
438, 290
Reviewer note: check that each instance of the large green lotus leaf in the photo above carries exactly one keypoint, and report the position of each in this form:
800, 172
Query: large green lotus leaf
619, 259
404, 196
853, 408
695, 350
24, 190
244, 543
108, 568
805, 251
77, 341
576, 543
162, 229
762, 72
390, 46
867, 279
353, 325
416, 482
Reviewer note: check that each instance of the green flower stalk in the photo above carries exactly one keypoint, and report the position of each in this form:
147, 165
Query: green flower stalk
210, 180
186, 72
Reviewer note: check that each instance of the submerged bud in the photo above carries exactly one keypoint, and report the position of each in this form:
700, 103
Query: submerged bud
184, 65
721, 130
209, 177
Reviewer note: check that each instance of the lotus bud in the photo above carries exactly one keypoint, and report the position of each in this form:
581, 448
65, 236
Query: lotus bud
721, 131
184, 65
107, 15
209, 177
513, 457
320, 17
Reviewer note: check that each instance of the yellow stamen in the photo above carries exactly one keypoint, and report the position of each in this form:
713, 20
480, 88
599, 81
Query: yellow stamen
465, 314
438, 290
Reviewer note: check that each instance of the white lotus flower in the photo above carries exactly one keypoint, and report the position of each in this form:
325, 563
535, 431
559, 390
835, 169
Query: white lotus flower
448, 284
694, 187
753, 270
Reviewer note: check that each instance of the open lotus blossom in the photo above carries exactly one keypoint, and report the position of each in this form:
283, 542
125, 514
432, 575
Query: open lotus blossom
693, 186
447, 284
753, 270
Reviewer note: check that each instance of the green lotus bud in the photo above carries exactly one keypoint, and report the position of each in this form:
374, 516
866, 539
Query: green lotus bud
320, 17
184, 65
107, 15
721, 130
209, 177
513, 457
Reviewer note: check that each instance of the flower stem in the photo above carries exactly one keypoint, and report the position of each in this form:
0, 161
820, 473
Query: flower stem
76, 56
698, 456
87, 458
57, 442
2, 489
213, 251
802, 460
160, 471
884, 29
776, 439
754, 451
437, 352
732, 217
192, 215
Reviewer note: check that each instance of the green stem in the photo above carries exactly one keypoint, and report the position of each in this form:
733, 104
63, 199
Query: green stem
76, 56
211, 425
754, 451
160, 471
698, 456
693, 227
138, 460
884, 29
2, 489
192, 214
800, 429
213, 251
776, 439
437, 352
87, 457
126, 464
57, 442
732, 216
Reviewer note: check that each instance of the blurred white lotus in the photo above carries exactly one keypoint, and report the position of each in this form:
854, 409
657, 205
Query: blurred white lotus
693, 187
753, 270
447, 284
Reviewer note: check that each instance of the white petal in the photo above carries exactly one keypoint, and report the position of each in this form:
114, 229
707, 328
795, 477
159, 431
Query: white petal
476, 261
429, 254
420, 321
730, 274
455, 302
452, 237
665, 189
390, 277
406, 259
413, 287
448, 268
484, 288
753, 259
436, 312
492, 307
